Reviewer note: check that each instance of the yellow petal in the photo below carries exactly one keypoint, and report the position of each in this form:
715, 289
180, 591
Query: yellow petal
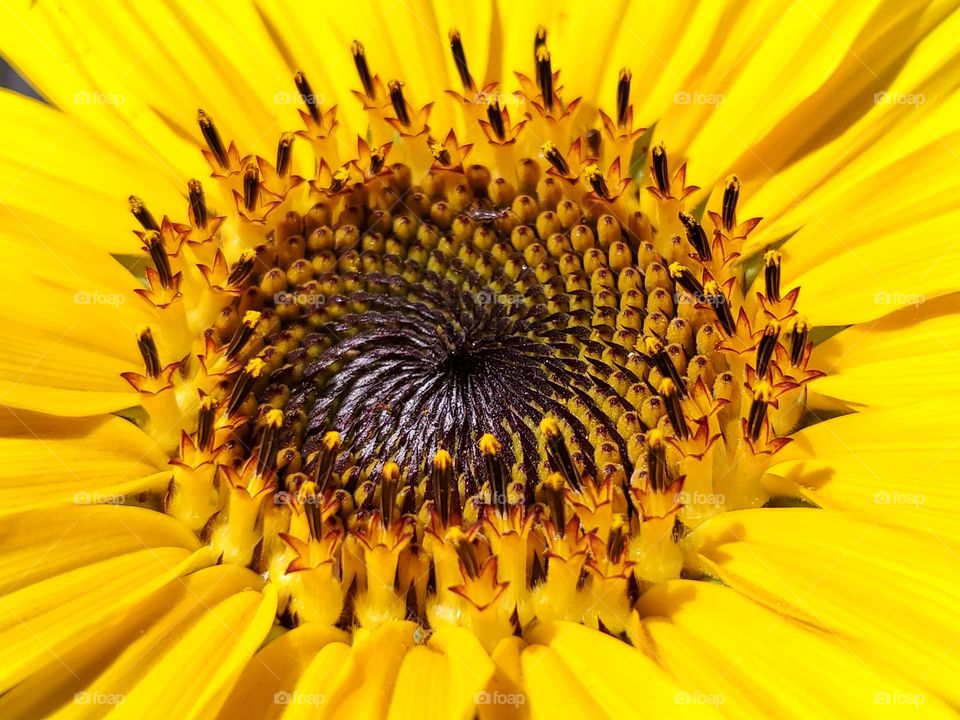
37, 544
506, 683
887, 594
48, 460
309, 697
276, 669
895, 466
909, 355
196, 673
745, 661
41, 621
443, 679
102, 671
552, 689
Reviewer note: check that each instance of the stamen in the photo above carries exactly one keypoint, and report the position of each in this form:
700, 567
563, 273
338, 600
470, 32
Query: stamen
623, 96
253, 370
552, 489
494, 115
306, 94
617, 540
657, 476
685, 279
284, 153
242, 269
557, 453
768, 343
198, 204
661, 172
539, 41
243, 334
251, 186
490, 448
731, 193
149, 352
671, 400
594, 140
205, 418
771, 274
158, 254
595, 179
360, 61
662, 362
398, 102
758, 410
798, 340
389, 487
696, 236
460, 59
552, 154
268, 442
442, 483
212, 137
545, 76
718, 301
324, 459
143, 216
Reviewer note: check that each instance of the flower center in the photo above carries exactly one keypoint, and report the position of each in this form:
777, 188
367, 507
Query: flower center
473, 394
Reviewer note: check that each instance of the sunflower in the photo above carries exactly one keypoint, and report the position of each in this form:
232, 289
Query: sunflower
416, 359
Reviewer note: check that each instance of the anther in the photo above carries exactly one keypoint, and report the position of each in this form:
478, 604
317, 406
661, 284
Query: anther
696, 236
661, 360
657, 477
731, 193
253, 370
552, 489
661, 173
496, 120
623, 96
539, 41
715, 298
205, 418
460, 60
671, 401
557, 452
553, 156
798, 339
617, 540
269, 441
360, 61
149, 352
771, 274
242, 269
490, 448
143, 216
466, 552
243, 334
212, 137
441, 479
595, 179
545, 76
768, 343
158, 254
389, 487
758, 410
686, 279
284, 153
251, 186
594, 140
399, 103
198, 204
306, 94
324, 459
